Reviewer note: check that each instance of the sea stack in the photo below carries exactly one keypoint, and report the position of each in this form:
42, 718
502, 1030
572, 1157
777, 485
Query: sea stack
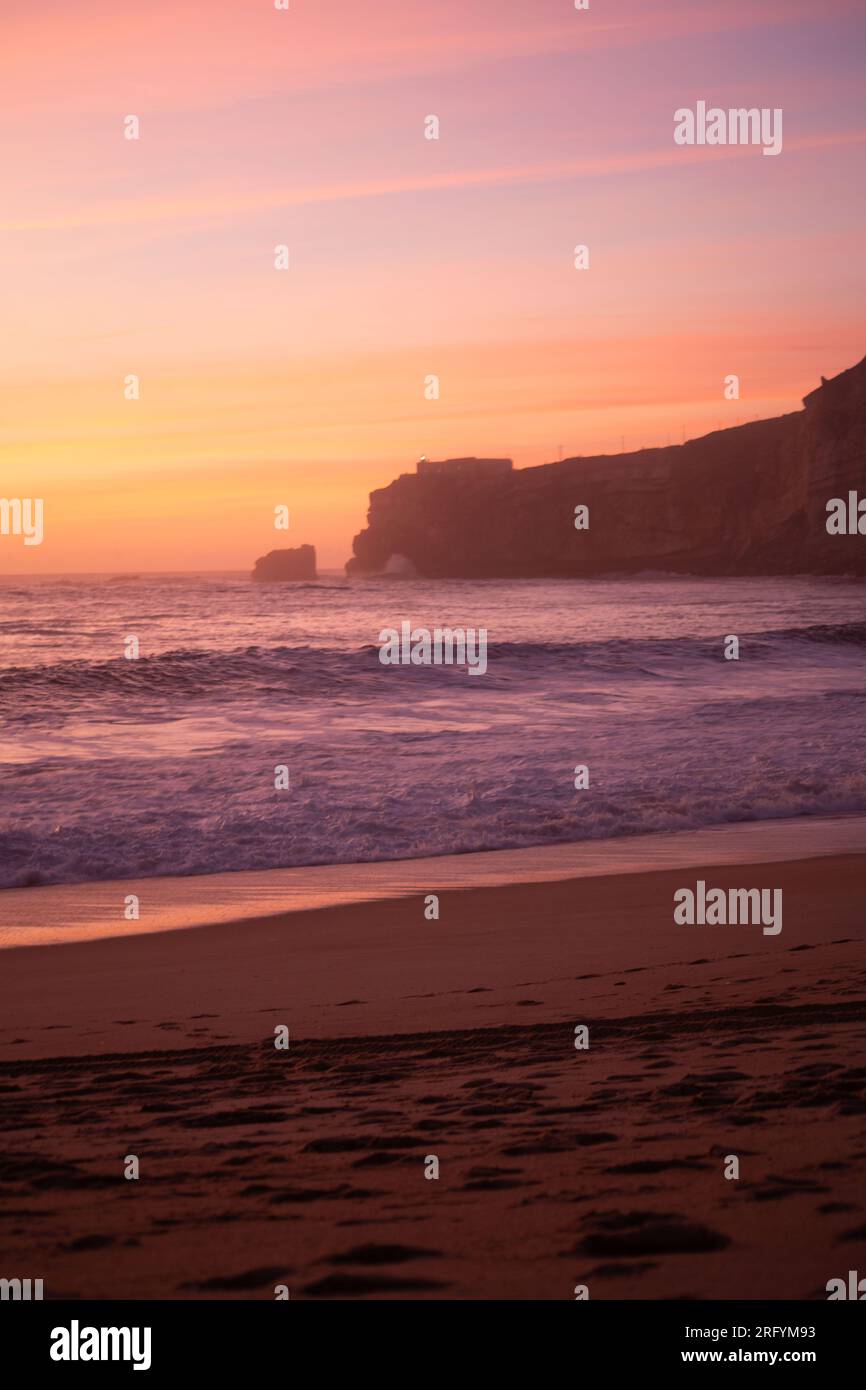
281, 565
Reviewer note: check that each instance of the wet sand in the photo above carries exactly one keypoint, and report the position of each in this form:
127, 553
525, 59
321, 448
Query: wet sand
411, 1038
60, 913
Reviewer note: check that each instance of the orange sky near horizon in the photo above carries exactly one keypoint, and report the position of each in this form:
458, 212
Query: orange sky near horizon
408, 256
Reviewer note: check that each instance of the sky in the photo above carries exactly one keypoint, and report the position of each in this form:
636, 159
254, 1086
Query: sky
408, 257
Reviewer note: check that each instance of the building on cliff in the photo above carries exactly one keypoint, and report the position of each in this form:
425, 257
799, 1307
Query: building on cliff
464, 468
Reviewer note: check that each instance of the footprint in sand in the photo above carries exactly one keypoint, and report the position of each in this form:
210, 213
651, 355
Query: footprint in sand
349, 1285
647, 1233
372, 1254
248, 1279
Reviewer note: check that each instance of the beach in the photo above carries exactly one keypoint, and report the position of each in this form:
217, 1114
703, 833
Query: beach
454, 1037
284, 931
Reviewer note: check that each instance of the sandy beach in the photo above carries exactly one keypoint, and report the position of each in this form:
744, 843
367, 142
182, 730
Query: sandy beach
453, 1037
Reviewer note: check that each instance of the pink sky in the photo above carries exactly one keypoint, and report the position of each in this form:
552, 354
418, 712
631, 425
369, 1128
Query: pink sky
408, 256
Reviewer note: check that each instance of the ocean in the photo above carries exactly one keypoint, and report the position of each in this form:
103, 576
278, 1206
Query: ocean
117, 768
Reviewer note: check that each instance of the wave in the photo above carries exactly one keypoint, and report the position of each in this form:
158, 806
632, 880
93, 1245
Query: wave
312, 672
78, 830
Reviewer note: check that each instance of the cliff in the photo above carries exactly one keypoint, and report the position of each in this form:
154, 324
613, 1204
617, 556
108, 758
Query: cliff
278, 565
748, 500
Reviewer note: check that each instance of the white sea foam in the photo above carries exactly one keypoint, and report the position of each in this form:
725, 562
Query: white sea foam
115, 768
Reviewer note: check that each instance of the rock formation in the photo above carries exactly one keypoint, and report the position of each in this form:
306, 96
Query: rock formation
278, 565
748, 500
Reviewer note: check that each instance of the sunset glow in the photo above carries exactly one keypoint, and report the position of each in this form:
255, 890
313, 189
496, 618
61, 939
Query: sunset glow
261, 127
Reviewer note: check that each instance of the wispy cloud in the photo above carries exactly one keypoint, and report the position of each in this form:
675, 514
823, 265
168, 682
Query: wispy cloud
207, 204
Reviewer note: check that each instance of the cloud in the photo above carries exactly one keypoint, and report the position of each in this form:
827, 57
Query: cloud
205, 205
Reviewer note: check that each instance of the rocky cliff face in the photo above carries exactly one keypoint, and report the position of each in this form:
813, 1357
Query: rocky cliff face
277, 565
750, 500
